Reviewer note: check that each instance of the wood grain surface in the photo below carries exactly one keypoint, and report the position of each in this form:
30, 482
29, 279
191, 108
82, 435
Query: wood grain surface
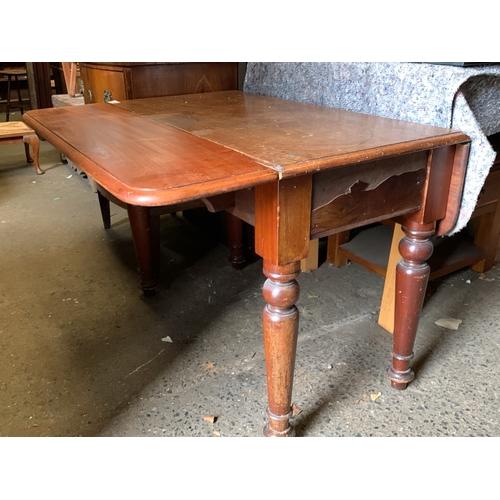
141, 161
291, 137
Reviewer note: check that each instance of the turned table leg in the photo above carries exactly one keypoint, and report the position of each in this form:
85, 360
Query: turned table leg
140, 225
280, 323
154, 223
412, 275
235, 237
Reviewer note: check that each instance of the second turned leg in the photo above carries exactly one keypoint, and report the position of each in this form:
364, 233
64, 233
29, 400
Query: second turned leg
154, 222
412, 275
235, 237
280, 324
140, 224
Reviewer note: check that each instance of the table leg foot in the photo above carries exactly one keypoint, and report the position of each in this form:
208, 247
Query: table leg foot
276, 422
148, 292
280, 324
398, 386
412, 275
400, 372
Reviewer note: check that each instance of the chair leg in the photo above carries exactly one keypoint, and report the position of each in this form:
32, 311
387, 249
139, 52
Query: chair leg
19, 97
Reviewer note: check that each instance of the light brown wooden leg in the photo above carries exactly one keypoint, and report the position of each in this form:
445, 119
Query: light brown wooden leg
34, 142
280, 323
311, 261
412, 275
333, 255
140, 225
29, 159
386, 316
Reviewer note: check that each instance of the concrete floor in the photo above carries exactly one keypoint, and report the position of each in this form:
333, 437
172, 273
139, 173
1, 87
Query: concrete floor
83, 353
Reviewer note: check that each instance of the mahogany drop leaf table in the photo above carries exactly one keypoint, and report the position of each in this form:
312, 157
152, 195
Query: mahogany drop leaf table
295, 171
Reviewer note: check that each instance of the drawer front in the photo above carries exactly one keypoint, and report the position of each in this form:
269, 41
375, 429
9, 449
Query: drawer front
348, 197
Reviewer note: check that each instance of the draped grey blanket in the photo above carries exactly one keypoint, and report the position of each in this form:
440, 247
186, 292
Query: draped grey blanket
466, 99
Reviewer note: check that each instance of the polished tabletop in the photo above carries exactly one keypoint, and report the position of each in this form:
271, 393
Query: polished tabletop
287, 136
234, 140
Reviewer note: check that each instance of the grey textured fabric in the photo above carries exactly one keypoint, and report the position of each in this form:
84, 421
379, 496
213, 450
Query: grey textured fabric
466, 99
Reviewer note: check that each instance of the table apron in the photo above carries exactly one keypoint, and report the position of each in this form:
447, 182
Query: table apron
361, 194
345, 198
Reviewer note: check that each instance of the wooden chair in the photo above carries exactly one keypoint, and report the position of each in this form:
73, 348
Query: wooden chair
16, 74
